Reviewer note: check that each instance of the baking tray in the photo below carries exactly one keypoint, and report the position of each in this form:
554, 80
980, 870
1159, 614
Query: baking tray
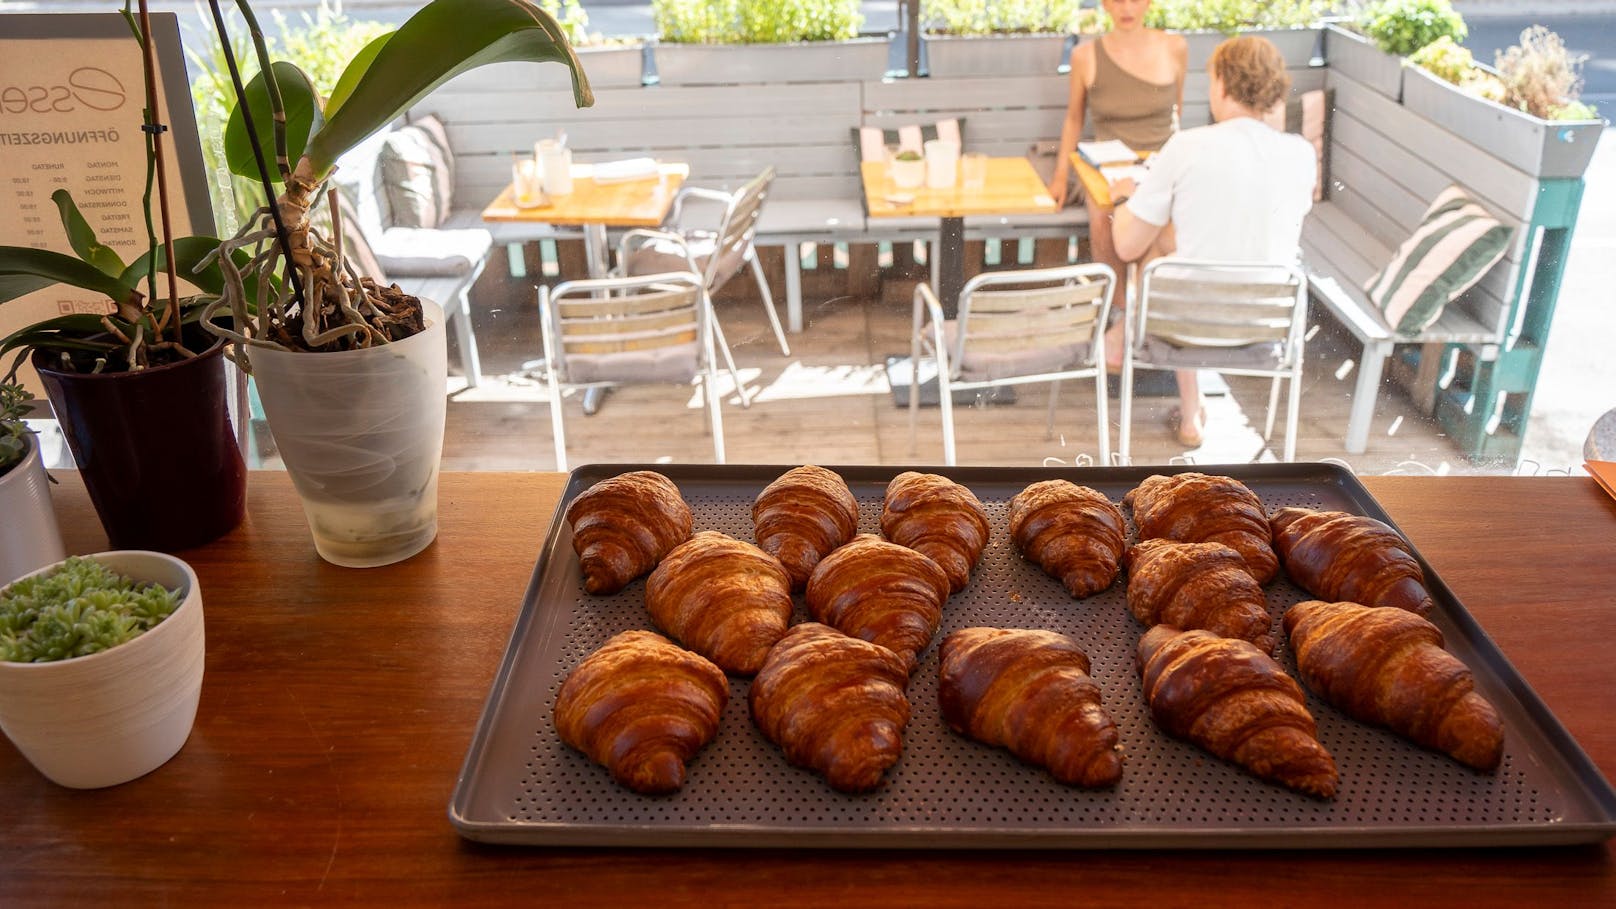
520, 784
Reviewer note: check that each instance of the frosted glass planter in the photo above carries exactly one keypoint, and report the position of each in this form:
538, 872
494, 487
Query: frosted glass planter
361, 434
29, 537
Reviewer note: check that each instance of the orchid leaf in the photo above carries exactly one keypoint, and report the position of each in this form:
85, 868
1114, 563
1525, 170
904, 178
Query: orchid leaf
444, 39
24, 270
303, 117
355, 71
188, 252
83, 238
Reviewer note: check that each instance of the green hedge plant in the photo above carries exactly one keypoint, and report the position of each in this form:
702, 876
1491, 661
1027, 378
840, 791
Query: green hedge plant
984, 17
1402, 27
1543, 78
1233, 16
755, 21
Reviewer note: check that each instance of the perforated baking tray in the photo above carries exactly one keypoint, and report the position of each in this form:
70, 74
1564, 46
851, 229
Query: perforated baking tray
520, 784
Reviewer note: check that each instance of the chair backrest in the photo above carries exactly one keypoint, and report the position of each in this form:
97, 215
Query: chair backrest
739, 225
1021, 312
648, 328
1194, 303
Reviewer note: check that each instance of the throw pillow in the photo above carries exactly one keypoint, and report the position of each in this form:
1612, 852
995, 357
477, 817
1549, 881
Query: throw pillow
1307, 115
871, 141
1455, 244
417, 170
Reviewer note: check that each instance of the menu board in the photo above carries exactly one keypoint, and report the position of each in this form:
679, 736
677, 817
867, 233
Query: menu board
72, 92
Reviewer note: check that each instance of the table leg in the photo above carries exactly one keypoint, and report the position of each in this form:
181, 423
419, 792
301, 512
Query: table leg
950, 254
595, 252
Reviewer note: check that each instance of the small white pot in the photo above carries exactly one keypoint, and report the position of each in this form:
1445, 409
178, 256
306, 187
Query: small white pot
113, 716
29, 537
908, 174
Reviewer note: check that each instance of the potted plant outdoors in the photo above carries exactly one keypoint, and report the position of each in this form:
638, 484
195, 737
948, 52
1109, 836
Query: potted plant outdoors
140, 390
968, 38
1292, 25
1525, 111
28, 536
727, 42
101, 662
1370, 47
352, 375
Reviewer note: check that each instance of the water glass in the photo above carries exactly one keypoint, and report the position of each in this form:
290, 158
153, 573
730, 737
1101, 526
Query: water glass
974, 170
525, 190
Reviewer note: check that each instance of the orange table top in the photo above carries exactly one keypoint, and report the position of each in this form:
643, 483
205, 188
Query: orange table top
632, 203
1012, 188
1095, 184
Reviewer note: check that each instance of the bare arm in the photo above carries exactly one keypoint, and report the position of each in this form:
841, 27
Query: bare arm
1072, 126
1130, 234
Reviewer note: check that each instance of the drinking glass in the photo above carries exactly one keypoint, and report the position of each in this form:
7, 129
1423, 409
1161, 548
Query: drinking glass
974, 170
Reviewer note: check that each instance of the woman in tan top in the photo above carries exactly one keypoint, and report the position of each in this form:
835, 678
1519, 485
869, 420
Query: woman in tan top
1130, 82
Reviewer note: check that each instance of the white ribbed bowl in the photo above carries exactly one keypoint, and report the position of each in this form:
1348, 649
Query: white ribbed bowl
109, 717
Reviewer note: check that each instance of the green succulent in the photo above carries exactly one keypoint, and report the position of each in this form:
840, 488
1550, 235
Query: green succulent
81, 607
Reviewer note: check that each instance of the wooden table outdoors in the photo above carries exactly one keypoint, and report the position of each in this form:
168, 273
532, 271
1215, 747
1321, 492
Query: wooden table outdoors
339, 704
1095, 183
1012, 187
595, 206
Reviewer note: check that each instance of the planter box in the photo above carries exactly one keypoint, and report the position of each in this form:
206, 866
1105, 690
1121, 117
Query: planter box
734, 64
1542, 148
608, 67
1356, 57
1298, 45
956, 56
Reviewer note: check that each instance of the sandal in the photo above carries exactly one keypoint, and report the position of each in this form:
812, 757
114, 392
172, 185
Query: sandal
1189, 436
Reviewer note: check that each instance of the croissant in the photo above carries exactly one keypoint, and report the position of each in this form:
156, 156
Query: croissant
723, 598
642, 706
1338, 556
1029, 691
835, 704
1232, 699
939, 518
1073, 532
1198, 585
623, 526
1197, 508
1387, 667
882, 593
802, 516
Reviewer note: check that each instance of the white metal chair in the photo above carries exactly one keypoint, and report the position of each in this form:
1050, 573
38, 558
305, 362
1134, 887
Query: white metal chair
717, 254
652, 329
1242, 319
1015, 328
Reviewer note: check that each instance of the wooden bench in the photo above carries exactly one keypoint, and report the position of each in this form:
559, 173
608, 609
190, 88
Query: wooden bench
1479, 360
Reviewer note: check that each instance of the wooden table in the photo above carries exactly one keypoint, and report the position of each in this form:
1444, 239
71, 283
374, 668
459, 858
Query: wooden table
338, 706
1095, 184
595, 206
1012, 187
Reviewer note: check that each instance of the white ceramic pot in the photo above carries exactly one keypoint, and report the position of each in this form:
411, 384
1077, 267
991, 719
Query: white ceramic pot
908, 174
113, 716
29, 537
361, 433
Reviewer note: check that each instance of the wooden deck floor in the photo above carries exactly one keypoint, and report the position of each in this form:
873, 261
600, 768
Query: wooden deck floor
829, 402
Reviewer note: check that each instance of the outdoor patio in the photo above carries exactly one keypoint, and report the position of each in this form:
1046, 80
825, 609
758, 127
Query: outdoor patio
829, 402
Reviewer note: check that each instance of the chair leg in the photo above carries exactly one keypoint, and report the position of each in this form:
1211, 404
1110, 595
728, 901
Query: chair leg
1054, 395
914, 389
468, 341
1103, 414
715, 417
794, 286
558, 425
729, 358
945, 403
1273, 406
1293, 413
768, 301
1125, 430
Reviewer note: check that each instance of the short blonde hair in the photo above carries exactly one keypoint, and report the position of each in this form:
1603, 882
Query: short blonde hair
1253, 72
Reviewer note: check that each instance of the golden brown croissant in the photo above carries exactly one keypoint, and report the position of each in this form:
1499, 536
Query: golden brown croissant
1198, 585
938, 517
1030, 692
1198, 508
1338, 556
835, 704
802, 516
623, 526
882, 593
642, 706
1232, 699
1073, 532
1387, 667
723, 598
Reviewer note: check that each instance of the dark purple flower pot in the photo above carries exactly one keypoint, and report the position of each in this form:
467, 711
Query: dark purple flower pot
155, 448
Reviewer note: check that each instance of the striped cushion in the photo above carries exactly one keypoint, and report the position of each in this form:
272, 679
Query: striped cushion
1454, 246
417, 170
872, 141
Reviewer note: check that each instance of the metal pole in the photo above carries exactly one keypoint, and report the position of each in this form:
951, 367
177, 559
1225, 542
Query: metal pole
911, 33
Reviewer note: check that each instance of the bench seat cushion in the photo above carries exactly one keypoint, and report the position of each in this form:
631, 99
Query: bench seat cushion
427, 251
988, 366
677, 363
508, 231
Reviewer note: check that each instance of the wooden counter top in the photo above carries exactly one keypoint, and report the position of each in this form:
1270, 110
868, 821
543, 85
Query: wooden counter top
339, 704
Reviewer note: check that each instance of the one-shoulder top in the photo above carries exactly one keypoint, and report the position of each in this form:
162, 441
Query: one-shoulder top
1126, 107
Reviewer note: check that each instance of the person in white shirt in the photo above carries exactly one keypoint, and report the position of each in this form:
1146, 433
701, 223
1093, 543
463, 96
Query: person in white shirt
1233, 191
